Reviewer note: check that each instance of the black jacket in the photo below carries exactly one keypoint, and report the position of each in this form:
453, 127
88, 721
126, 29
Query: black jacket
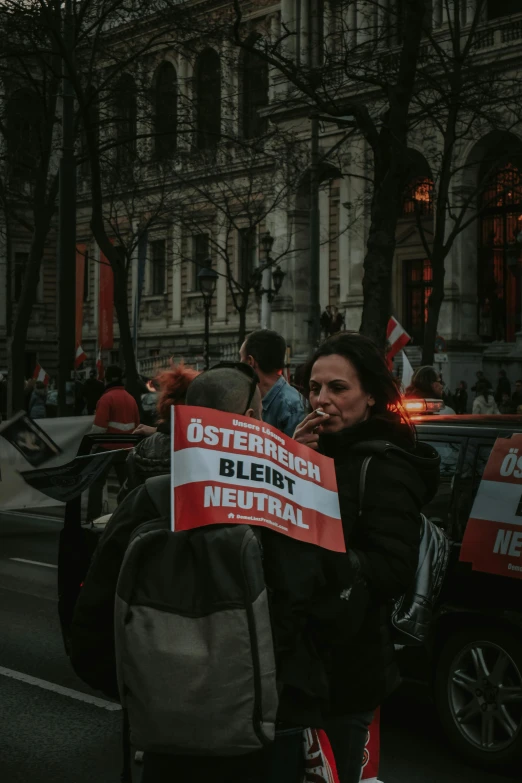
382, 553
149, 458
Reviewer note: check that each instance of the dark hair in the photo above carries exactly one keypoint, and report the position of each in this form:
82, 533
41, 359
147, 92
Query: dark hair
483, 388
268, 348
463, 384
173, 385
502, 373
421, 383
372, 370
113, 373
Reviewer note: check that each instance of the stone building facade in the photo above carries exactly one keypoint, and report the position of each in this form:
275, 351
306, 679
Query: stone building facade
481, 317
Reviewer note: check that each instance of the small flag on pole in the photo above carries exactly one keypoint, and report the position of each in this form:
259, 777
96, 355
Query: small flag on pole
80, 357
40, 375
397, 338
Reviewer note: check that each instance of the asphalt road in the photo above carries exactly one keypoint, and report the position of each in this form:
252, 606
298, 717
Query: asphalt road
52, 736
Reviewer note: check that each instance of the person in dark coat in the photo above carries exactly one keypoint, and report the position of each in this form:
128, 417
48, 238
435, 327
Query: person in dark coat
461, 398
92, 391
351, 384
503, 386
37, 403
151, 457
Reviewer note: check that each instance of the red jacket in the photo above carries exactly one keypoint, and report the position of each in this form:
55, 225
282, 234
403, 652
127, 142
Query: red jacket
116, 412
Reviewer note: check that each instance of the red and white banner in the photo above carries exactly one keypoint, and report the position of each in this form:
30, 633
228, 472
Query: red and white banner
80, 275
371, 756
397, 338
80, 356
39, 374
493, 537
105, 305
237, 470
99, 367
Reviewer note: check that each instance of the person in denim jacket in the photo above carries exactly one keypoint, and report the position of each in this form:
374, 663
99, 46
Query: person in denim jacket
283, 407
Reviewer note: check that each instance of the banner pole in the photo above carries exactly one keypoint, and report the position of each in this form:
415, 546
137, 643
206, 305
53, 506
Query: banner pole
172, 491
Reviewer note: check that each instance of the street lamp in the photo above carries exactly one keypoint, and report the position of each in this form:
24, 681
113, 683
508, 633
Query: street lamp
263, 281
207, 280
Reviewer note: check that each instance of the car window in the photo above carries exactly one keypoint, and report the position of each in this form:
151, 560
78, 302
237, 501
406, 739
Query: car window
475, 461
440, 508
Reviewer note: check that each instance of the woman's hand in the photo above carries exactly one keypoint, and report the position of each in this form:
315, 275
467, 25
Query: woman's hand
307, 432
144, 429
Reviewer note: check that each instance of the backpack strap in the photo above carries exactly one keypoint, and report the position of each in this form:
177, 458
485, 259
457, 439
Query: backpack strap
160, 492
362, 481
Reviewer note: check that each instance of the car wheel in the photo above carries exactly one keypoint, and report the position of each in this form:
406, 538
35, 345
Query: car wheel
478, 694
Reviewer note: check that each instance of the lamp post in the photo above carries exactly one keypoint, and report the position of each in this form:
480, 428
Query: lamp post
207, 280
263, 280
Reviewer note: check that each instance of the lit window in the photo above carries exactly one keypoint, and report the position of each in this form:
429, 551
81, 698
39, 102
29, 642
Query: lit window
418, 198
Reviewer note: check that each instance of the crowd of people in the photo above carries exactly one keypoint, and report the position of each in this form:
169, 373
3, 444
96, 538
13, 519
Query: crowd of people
334, 654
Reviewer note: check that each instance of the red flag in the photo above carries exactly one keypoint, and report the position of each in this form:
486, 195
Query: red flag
80, 357
105, 305
99, 367
40, 375
397, 338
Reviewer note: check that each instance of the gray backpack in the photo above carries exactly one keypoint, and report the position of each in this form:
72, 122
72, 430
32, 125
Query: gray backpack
194, 650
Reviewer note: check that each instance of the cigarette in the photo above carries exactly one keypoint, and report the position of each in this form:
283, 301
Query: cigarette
320, 412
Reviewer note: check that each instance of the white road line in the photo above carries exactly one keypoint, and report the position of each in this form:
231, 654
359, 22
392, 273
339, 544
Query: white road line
33, 562
51, 686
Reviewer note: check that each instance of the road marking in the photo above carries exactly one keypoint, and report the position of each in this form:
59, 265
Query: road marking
52, 686
33, 562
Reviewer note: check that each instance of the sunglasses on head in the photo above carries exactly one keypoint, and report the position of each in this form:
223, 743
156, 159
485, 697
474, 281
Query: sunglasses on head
247, 370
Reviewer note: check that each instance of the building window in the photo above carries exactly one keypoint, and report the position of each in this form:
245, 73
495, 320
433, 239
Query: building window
418, 281
247, 255
20, 265
86, 291
500, 257
208, 100
498, 8
254, 95
166, 112
200, 258
158, 266
125, 120
418, 198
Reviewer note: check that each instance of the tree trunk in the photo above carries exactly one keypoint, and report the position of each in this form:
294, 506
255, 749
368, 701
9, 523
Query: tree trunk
17, 343
242, 322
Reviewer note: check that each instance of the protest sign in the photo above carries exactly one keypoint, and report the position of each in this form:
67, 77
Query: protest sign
237, 470
493, 537
29, 439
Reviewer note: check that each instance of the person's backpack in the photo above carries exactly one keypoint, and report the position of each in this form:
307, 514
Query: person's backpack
194, 650
412, 613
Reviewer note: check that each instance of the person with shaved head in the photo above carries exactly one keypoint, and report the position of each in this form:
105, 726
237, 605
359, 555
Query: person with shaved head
293, 575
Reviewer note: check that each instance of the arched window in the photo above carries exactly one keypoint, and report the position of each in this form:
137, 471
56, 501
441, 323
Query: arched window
254, 95
500, 256
24, 119
166, 112
125, 119
208, 99
418, 197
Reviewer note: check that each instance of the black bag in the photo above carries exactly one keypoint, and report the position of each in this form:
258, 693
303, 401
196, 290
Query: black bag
194, 649
412, 613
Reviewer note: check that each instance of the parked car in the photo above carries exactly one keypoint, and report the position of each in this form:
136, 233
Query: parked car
473, 660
